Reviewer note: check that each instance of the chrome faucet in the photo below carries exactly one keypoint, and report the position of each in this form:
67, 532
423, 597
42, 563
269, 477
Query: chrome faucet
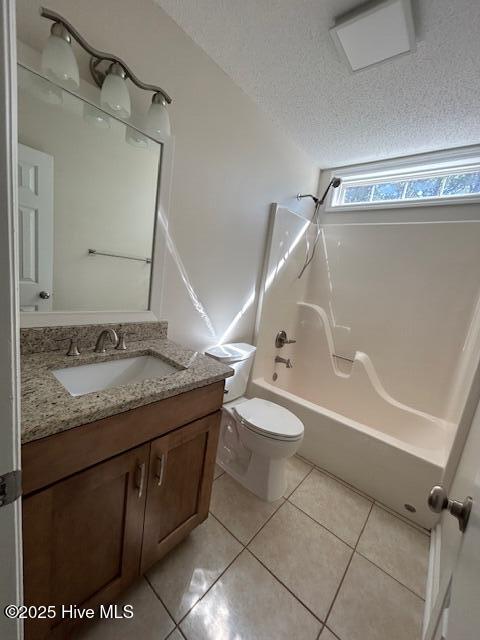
286, 361
112, 334
281, 339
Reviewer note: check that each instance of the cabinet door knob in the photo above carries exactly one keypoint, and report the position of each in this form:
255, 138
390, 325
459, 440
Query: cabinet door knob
44, 295
140, 478
160, 468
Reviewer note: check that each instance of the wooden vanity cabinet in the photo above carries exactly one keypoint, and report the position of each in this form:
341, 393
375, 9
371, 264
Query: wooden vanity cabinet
90, 534
82, 538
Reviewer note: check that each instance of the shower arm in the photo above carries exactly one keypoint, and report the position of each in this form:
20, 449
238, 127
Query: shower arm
334, 182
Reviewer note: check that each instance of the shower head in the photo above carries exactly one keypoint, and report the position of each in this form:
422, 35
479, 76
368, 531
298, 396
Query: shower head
334, 183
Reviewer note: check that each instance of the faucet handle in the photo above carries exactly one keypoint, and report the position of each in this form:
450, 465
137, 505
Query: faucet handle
73, 347
121, 346
281, 339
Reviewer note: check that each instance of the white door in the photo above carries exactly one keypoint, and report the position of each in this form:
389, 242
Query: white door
10, 515
456, 615
35, 229
464, 611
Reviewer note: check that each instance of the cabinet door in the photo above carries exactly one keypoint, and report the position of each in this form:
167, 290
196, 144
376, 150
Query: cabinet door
82, 538
179, 485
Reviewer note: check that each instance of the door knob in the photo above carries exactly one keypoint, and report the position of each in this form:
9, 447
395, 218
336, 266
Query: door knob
438, 500
44, 295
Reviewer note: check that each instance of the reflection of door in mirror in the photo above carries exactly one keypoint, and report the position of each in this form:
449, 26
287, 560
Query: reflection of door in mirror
35, 229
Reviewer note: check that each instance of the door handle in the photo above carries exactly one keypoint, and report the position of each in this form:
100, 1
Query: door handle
140, 478
438, 501
44, 295
159, 474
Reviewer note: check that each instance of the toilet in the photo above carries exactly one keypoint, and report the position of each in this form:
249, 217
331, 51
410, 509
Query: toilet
256, 436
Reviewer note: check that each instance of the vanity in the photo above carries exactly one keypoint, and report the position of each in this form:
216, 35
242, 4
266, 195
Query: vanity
112, 479
119, 424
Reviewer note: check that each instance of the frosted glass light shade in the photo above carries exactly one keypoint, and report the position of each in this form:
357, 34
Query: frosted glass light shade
59, 62
115, 95
158, 120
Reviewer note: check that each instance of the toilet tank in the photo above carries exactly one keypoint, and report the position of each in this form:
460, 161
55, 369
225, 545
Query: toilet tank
239, 356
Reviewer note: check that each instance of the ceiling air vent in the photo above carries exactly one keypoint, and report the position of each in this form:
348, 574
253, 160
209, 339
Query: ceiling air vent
374, 33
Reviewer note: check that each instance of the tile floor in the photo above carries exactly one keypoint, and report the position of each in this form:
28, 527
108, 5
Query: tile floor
325, 562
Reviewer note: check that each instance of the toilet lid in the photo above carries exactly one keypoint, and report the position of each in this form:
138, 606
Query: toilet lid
269, 419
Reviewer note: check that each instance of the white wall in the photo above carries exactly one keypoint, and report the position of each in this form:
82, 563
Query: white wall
104, 198
230, 163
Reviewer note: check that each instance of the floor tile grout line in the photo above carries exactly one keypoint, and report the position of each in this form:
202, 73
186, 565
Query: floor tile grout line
245, 547
320, 632
257, 532
364, 495
286, 497
353, 549
348, 566
402, 518
337, 637
362, 555
315, 615
210, 587
210, 513
380, 504
337, 478
345, 484
219, 475
324, 526
301, 482
161, 602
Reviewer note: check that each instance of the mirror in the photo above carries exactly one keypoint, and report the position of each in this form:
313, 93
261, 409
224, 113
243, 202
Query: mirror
87, 198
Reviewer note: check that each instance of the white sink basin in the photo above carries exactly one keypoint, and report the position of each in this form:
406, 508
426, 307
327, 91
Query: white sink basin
103, 375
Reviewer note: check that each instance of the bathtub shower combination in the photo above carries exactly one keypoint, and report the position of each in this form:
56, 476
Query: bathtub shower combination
354, 426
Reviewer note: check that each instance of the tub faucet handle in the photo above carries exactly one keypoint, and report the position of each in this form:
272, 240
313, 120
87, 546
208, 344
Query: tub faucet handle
281, 339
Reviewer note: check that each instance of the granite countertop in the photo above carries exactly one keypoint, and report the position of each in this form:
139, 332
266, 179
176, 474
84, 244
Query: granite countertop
48, 408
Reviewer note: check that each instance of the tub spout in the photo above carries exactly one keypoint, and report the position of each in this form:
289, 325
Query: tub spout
286, 361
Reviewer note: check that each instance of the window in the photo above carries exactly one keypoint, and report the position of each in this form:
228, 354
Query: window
413, 184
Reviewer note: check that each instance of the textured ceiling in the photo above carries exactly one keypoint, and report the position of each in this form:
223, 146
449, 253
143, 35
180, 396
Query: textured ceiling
281, 54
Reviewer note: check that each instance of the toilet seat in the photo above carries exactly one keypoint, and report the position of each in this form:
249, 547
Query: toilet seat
269, 419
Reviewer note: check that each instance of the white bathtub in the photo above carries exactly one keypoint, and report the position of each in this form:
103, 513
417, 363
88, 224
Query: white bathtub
353, 428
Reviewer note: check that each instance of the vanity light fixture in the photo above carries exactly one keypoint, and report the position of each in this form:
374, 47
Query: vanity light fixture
58, 59
109, 72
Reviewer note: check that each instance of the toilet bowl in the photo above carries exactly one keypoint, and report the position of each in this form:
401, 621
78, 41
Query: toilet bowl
257, 436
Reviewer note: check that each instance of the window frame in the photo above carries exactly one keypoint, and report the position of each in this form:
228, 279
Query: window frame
403, 169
